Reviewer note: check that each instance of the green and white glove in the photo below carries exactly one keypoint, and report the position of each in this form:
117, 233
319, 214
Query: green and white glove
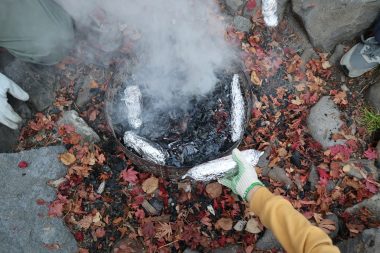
245, 179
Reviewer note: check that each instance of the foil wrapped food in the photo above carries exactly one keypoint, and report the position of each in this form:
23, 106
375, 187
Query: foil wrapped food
147, 149
237, 110
269, 10
216, 169
133, 103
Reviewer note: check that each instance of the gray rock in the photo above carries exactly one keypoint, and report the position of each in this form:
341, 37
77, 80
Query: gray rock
337, 55
355, 167
264, 158
234, 5
278, 174
9, 137
281, 7
268, 241
188, 250
25, 225
313, 177
323, 121
242, 24
373, 96
81, 127
372, 204
40, 82
229, 249
367, 242
335, 219
331, 22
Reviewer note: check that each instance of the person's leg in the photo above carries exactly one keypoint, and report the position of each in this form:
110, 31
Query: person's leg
38, 31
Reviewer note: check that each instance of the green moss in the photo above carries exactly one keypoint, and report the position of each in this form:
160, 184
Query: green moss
370, 119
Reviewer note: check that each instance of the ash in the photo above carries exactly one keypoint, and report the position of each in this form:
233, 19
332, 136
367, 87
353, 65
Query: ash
197, 132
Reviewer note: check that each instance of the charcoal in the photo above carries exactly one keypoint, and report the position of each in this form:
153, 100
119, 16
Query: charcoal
194, 133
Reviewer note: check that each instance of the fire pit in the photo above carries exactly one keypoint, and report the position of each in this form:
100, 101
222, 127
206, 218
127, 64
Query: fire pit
181, 137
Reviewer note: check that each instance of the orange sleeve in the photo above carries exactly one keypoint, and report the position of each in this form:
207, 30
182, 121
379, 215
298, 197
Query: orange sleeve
295, 233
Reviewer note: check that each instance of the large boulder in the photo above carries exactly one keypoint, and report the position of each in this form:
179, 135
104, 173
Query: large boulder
24, 222
366, 242
372, 204
373, 96
331, 22
323, 121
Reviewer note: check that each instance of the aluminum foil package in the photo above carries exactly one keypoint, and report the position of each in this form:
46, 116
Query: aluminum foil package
133, 102
216, 169
269, 10
145, 148
237, 110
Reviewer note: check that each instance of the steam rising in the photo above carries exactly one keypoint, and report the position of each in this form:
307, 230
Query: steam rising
180, 47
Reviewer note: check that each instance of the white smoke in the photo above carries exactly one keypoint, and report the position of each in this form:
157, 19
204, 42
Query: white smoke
180, 47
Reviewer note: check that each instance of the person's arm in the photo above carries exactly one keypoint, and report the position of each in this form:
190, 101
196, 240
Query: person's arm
8, 116
291, 228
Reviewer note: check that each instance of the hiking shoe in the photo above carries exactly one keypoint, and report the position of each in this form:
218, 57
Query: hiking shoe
361, 58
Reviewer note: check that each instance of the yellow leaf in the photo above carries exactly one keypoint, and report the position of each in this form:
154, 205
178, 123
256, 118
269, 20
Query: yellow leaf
67, 158
255, 79
150, 185
297, 101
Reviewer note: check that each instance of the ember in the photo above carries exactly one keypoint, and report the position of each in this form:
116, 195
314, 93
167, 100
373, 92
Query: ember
190, 135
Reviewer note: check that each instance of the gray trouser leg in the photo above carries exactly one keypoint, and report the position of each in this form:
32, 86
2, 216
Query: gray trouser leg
38, 31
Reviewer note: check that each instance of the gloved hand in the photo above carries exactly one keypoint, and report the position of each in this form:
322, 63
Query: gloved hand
245, 179
8, 116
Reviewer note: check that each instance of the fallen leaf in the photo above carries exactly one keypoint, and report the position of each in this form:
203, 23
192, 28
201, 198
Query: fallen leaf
251, 4
370, 154
85, 222
22, 165
255, 79
150, 185
93, 84
164, 230
326, 65
214, 190
224, 223
297, 101
253, 226
67, 158
129, 175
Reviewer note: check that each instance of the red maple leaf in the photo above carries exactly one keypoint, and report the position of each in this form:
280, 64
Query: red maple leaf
370, 154
342, 152
323, 177
371, 187
129, 175
140, 214
251, 4
56, 207
22, 165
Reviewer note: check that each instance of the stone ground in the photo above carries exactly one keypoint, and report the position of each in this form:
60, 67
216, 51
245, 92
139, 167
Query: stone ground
25, 225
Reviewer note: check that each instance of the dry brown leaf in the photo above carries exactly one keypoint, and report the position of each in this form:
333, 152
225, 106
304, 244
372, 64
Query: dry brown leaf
297, 101
255, 79
93, 84
67, 158
253, 226
214, 190
224, 223
164, 230
150, 185
85, 222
